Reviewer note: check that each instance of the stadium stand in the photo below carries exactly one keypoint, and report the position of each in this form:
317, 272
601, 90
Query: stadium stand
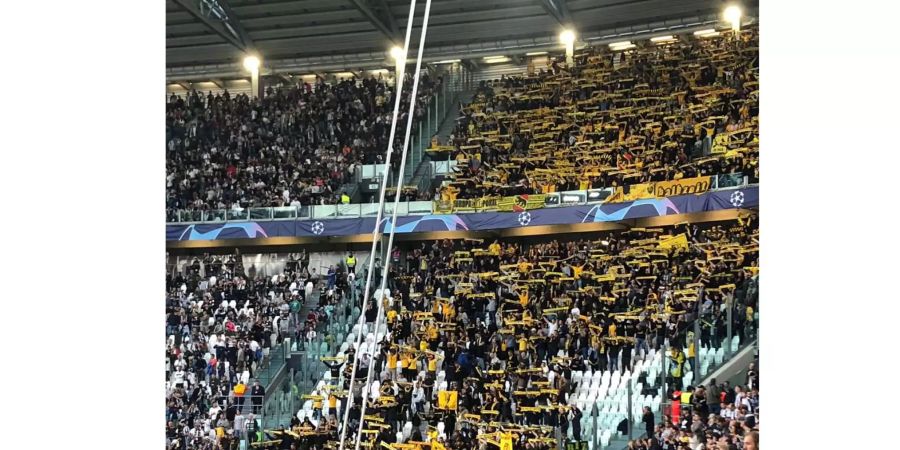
296, 145
584, 341
662, 112
529, 334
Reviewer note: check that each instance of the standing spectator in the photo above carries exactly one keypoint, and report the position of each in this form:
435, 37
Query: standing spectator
331, 276
576, 423
257, 393
304, 261
239, 390
351, 263
649, 421
713, 397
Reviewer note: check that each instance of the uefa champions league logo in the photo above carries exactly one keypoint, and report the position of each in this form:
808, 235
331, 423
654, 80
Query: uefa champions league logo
737, 199
318, 228
524, 218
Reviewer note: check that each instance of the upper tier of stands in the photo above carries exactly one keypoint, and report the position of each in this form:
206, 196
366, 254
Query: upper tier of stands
296, 145
658, 112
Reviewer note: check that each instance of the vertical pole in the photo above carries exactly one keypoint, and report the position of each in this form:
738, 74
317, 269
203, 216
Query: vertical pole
630, 412
696, 350
254, 83
437, 101
728, 328
665, 378
596, 434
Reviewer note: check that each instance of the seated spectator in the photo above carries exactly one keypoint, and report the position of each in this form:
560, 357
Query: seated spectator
297, 145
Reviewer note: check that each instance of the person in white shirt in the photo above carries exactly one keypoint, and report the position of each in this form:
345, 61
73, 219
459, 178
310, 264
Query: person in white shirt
728, 412
214, 411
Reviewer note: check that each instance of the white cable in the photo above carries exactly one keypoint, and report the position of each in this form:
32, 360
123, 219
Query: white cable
409, 122
398, 90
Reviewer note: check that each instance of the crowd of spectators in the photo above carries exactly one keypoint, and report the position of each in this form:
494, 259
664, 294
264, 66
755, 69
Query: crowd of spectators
714, 417
483, 338
222, 321
296, 145
685, 109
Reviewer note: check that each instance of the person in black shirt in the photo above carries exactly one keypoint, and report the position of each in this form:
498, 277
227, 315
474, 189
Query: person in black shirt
257, 393
576, 423
649, 421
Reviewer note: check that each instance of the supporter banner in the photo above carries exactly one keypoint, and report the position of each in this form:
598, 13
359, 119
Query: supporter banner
684, 186
603, 212
659, 189
519, 203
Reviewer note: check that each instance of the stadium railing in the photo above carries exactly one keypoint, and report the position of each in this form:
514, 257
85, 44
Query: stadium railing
356, 210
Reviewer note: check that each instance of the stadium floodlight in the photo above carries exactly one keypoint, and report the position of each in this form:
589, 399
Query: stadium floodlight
495, 59
624, 45
251, 63
567, 37
397, 53
733, 15
449, 61
399, 57
662, 38
708, 31
535, 53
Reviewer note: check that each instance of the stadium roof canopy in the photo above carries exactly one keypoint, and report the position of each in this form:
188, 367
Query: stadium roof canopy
210, 37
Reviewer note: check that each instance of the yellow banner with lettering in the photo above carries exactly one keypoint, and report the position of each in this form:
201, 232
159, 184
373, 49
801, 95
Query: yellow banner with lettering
660, 189
683, 186
521, 202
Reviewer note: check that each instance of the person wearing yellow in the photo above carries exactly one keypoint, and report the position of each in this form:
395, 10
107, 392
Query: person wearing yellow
332, 405
317, 405
576, 271
523, 265
391, 316
677, 370
494, 248
432, 365
523, 343
392, 363
239, 390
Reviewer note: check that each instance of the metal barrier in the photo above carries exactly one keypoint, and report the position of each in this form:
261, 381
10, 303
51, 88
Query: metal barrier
356, 210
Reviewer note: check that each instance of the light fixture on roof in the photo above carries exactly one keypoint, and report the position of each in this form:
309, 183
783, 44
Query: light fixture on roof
535, 53
397, 53
706, 32
251, 63
662, 39
567, 37
623, 45
399, 57
496, 59
732, 14
449, 61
